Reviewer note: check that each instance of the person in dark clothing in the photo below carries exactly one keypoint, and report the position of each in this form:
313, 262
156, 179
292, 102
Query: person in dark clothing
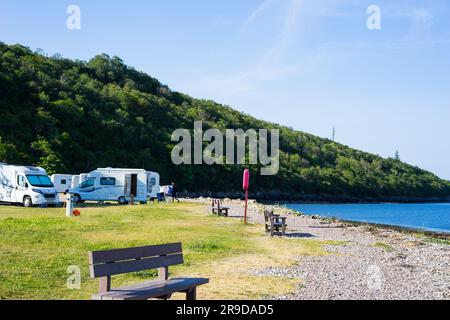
174, 192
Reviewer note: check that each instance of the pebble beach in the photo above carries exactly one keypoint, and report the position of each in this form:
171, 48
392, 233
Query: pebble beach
369, 263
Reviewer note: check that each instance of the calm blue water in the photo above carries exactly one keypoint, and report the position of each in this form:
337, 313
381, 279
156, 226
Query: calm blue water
432, 217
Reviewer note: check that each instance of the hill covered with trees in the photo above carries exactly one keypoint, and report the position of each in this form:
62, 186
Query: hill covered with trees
75, 116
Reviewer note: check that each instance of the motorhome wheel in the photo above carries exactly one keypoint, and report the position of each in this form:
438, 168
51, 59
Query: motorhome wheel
27, 203
76, 198
123, 200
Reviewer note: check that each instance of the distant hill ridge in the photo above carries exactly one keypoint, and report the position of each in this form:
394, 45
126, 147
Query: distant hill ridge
75, 116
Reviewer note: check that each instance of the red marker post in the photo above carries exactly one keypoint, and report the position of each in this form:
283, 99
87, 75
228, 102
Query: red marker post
246, 186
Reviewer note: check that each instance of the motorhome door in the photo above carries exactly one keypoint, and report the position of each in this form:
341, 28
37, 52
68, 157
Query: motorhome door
21, 187
131, 185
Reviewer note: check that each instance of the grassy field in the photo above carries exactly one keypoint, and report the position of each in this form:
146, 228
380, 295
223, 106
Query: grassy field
38, 245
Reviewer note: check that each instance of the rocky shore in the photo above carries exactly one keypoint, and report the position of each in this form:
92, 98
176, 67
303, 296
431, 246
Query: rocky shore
370, 262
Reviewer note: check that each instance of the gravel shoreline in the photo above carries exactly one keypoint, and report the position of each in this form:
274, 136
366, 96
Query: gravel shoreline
372, 263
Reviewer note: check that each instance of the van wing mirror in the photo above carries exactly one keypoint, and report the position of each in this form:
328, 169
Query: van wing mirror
26, 185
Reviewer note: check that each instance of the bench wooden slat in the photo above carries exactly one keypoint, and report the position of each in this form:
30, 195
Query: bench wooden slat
108, 269
133, 253
104, 264
151, 289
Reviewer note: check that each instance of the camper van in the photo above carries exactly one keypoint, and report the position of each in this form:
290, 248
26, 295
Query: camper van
26, 185
78, 179
75, 181
63, 182
152, 185
110, 184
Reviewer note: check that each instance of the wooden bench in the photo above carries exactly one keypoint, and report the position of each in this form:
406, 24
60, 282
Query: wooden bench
104, 264
218, 209
274, 223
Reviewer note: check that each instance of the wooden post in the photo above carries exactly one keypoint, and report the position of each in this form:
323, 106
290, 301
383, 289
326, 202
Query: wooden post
246, 206
132, 200
163, 273
105, 284
246, 186
69, 205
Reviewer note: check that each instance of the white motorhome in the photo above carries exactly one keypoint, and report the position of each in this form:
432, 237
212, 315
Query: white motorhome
62, 182
26, 185
78, 179
111, 184
75, 181
152, 185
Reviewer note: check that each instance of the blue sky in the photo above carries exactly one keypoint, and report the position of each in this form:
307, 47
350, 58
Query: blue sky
308, 64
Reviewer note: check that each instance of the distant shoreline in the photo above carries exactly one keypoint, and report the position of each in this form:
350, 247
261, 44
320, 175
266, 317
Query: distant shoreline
408, 230
277, 198
360, 202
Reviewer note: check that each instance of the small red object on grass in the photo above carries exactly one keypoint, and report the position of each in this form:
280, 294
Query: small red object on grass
76, 212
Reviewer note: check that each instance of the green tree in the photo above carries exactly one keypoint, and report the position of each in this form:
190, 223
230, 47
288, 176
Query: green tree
100, 113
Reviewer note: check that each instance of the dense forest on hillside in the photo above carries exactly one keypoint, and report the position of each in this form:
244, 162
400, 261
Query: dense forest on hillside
75, 116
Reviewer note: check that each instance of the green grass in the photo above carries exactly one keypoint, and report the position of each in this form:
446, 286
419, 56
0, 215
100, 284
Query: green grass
438, 241
38, 245
384, 246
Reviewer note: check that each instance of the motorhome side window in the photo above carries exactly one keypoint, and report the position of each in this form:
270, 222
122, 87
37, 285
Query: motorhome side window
63, 181
108, 181
88, 183
152, 181
21, 181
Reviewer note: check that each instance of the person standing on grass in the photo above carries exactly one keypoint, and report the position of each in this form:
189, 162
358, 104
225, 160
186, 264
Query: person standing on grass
174, 192
168, 193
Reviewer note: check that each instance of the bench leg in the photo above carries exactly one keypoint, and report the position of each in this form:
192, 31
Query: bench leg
283, 232
191, 294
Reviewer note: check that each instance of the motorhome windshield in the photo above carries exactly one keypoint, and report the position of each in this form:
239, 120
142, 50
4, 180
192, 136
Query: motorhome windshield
87, 183
40, 181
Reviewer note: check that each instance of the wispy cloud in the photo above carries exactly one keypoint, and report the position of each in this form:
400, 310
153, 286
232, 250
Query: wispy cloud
256, 14
276, 64
266, 66
292, 16
420, 21
287, 34
417, 14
